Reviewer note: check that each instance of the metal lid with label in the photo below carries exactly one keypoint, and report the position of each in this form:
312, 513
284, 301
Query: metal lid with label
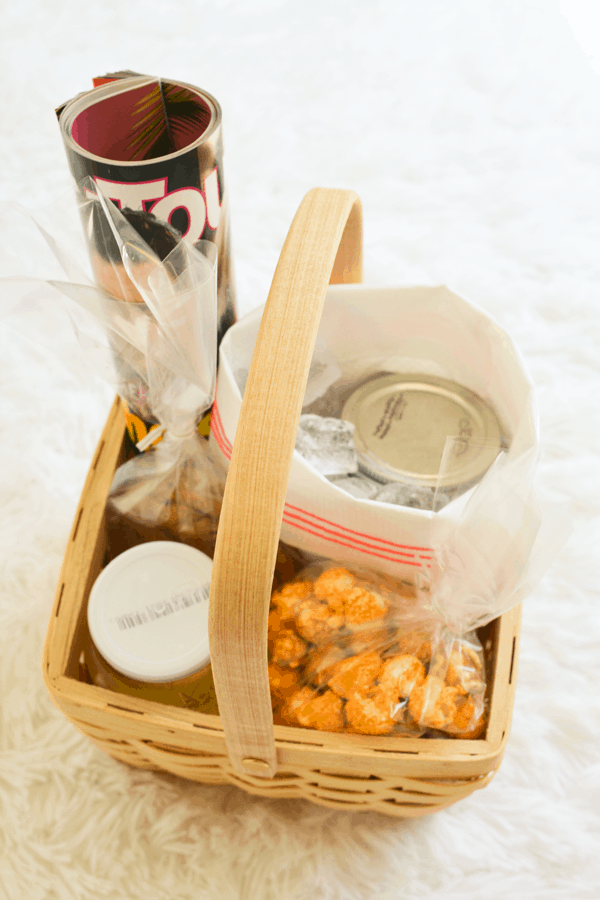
402, 422
148, 611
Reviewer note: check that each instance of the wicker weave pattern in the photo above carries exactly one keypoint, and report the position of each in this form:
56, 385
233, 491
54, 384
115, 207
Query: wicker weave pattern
396, 796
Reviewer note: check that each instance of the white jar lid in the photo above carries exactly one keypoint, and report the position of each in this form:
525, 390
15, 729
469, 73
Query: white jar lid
148, 611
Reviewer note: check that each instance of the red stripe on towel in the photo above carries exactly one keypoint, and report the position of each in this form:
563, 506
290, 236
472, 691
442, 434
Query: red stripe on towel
345, 537
353, 546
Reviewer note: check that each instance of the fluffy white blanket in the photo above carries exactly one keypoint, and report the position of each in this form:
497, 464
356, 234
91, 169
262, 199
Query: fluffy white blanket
471, 131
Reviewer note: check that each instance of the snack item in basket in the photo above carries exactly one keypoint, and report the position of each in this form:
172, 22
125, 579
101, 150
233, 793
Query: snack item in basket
322, 711
399, 675
317, 621
475, 730
354, 674
465, 669
287, 648
283, 680
333, 586
320, 661
148, 626
364, 607
348, 596
435, 704
286, 600
415, 644
183, 505
335, 633
283, 606
370, 713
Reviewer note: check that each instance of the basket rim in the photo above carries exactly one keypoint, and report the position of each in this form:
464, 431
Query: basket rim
81, 694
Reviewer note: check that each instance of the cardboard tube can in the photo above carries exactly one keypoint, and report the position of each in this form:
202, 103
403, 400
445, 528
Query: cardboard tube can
185, 187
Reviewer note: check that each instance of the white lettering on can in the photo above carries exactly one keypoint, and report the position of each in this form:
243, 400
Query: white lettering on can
130, 195
192, 201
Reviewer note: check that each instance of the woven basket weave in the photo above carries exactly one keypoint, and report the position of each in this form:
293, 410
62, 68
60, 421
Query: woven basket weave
395, 775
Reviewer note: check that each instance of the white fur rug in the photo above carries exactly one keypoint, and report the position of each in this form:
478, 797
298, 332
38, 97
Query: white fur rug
471, 131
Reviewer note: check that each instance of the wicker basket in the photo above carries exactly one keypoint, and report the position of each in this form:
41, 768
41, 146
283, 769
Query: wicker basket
396, 775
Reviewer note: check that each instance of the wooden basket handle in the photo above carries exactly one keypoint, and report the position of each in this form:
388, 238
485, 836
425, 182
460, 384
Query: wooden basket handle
324, 244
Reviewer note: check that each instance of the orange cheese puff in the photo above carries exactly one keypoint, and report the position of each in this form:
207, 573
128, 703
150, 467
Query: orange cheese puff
434, 704
285, 600
317, 622
415, 644
287, 648
296, 589
362, 606
295, 702
355, 674
465, 670
333, 585
369, 713
464, 715
320, 663
400, 674
283, 682
474, 731
313, 710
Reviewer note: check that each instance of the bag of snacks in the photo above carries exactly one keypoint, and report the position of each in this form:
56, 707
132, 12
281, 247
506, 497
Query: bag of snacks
351, 651
356, 650
143, 303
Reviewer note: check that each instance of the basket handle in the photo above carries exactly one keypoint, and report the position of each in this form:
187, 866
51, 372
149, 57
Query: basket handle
324, 244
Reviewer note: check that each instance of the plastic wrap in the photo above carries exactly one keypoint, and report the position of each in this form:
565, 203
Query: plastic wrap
366, 333
352, 649
146, 317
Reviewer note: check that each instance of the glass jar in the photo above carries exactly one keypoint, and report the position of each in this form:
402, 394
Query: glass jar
148, 626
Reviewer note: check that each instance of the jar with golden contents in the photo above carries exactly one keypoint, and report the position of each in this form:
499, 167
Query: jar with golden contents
148, 626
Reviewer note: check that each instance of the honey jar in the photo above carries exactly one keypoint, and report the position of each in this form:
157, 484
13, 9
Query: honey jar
148, 626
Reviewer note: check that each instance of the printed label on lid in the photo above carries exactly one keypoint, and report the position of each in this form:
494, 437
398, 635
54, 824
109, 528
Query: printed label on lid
402, 423
180, 601
148, 611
